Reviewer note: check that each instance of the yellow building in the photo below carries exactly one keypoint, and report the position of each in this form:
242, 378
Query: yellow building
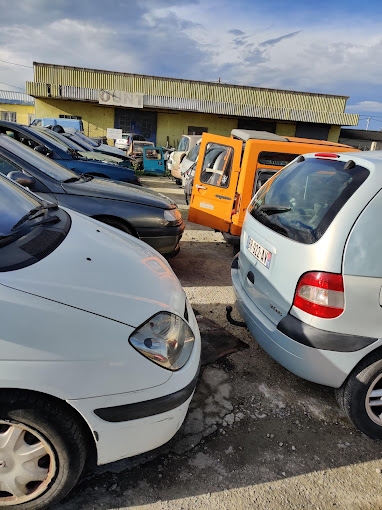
16, 107
162, 109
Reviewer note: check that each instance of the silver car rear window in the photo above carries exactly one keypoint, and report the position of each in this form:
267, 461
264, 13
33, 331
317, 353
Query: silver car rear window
301, 201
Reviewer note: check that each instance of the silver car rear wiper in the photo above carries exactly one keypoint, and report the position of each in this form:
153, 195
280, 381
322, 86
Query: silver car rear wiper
273, 209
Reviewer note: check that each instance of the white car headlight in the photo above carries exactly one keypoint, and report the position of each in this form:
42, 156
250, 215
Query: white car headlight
166, 339
173, 216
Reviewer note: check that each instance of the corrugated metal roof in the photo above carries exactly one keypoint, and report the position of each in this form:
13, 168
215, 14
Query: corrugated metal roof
11, 97
84, 84
200, 106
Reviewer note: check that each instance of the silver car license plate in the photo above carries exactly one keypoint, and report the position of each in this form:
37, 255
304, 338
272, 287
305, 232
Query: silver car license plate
261, 254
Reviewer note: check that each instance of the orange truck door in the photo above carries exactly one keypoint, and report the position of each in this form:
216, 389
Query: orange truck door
215, 182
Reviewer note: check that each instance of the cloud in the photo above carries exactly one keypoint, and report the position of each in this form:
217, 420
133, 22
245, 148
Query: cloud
235, 31
366, 106
199, 40
272, 42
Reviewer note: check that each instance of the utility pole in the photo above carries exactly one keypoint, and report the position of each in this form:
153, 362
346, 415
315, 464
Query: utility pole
367, 125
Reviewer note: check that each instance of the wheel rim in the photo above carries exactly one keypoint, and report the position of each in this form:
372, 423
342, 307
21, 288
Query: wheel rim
374, 401
27, 463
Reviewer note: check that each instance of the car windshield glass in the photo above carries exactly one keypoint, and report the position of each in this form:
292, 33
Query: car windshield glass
48, 138
138, 146
44, 164
194, 153
302, 200
15, 203
58, 137
86, 139
183, 144
80, 143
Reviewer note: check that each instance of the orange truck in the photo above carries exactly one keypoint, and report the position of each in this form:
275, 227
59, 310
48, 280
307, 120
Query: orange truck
230, 170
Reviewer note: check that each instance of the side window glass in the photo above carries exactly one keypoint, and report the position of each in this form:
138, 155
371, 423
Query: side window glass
262, 175
217, 165
7, 166
275, 158
153, 154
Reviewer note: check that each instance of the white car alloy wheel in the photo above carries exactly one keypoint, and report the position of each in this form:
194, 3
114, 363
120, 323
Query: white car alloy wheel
27, 463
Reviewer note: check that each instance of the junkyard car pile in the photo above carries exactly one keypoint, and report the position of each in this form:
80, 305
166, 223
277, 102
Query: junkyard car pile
100, 348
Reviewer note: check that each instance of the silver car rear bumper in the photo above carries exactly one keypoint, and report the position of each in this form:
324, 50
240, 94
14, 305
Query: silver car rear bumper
327, 367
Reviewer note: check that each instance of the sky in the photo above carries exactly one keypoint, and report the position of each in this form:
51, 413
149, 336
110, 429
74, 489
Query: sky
330, 47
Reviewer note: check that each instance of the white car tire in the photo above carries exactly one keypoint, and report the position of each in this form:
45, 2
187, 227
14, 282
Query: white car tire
42, 450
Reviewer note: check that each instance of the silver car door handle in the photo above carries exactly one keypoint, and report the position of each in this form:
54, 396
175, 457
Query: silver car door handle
200, 187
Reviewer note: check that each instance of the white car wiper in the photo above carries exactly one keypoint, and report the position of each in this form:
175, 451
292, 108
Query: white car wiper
35, 213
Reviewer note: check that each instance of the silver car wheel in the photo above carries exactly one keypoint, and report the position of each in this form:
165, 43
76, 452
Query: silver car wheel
27, 463
374, 401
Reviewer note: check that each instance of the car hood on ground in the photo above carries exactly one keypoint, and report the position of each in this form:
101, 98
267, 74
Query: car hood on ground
103, 271
104, 188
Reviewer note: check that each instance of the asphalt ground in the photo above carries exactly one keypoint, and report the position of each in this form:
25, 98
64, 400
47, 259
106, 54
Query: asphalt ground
256, 436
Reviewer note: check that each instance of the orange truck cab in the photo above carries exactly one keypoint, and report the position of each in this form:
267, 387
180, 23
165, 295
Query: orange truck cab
230, 170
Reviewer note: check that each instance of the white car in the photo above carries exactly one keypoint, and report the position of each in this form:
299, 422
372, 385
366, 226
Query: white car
189, 159
124, 142
187, 142
99, 348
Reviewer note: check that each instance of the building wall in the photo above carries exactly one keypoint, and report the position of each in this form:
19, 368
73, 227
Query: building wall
334, 133
170, 125
175, 124
286, 129
96, 119
22, 111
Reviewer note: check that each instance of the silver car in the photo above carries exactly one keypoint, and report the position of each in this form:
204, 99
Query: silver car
308, 278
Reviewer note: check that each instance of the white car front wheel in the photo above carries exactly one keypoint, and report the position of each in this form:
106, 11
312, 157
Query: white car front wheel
42, 451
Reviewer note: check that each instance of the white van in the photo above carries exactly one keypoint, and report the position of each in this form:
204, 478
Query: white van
187, 142
99, 348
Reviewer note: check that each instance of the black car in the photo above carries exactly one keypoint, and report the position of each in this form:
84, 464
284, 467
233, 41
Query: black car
66, 156
141, 212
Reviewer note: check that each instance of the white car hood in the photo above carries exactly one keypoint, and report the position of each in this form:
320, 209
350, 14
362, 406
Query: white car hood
103, 271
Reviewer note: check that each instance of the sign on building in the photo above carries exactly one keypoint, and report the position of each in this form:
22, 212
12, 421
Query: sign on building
114, 133
121, 98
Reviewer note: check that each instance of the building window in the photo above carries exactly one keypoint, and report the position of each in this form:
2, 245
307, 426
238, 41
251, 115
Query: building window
125, 123
69, 117
146, 128
196, 130
9, 116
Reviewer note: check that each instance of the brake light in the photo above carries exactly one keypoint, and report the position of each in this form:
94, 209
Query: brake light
323, 155
320, 294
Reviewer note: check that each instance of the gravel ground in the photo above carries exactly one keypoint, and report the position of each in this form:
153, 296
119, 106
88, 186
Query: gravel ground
256, 436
